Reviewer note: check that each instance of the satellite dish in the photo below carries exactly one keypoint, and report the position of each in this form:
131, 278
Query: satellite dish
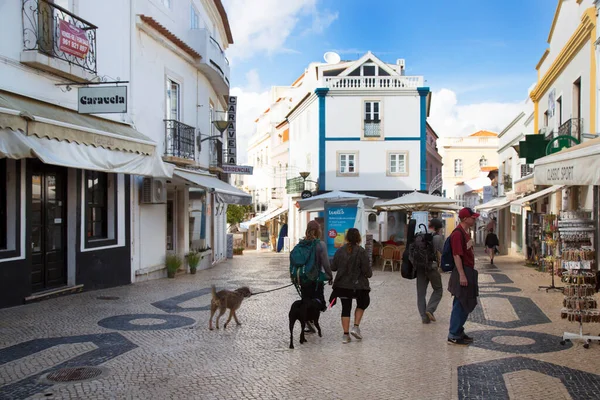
332, 57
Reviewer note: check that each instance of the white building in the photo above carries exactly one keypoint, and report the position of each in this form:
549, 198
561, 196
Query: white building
361, 126
85, 171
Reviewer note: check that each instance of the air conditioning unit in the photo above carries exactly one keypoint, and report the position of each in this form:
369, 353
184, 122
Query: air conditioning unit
154, 191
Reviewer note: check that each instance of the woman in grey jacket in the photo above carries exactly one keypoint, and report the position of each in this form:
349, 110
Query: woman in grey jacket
351, 282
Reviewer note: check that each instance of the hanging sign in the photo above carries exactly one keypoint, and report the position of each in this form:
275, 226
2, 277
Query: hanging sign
237, 169
515, 209
338, 219
102, 100
231, 155
73, 40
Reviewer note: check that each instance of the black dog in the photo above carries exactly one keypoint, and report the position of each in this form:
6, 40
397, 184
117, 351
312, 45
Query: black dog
303, 311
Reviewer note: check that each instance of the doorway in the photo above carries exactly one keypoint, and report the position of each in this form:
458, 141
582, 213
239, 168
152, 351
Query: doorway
48, 226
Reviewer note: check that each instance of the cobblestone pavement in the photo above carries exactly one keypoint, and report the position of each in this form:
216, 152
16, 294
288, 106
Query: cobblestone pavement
138, 339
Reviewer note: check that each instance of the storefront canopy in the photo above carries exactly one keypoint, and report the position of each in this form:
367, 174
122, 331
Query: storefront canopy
578, 165
264, 217
317, 203
16, 145
536, 196
225, 192
495, 204
417, 201
46, 120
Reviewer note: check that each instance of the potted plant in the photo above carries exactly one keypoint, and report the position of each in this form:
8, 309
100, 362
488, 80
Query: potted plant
173, 263
238, 251
193, 259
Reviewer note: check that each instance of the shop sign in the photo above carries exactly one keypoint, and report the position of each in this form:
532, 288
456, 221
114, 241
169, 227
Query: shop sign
237, 169
524, 186
515, 209
338, 219
568, 172
73, 40
231, 155
102, 100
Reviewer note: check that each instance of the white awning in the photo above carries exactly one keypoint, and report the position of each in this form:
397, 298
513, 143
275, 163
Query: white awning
225, 192
16, 145
495, 204
578, 165
259, 219
538, 195
274, 214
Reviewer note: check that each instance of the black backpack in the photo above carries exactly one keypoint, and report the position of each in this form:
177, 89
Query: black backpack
421, 252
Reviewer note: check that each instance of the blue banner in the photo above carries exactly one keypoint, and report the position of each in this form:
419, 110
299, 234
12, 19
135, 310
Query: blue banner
338, 219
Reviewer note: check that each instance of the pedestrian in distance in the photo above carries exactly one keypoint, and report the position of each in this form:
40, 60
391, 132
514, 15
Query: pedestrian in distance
351, 282
316, 289
430, 273
463, 284
491, 245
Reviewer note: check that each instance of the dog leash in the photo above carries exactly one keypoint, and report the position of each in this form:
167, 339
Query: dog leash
272, 290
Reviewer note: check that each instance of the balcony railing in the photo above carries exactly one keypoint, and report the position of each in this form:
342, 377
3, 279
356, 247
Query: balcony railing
56, 32
373, 82
294, 185
372, 129
572, 127
277, 193
180, 140
526, 169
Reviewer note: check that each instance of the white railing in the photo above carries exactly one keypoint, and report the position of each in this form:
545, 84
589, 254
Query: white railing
372, 82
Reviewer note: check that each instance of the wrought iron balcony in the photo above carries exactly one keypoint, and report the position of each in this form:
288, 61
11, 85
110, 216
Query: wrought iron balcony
179, 140
572, 127
372, 129
58, 33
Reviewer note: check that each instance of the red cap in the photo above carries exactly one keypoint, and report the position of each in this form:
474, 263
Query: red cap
466, 213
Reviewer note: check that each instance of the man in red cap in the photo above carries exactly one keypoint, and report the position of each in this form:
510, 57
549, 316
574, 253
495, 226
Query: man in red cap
463, 279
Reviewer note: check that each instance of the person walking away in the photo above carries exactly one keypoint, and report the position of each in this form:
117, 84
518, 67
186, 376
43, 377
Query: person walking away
491, 242
316, 289
463, 283
351, 282
430, 274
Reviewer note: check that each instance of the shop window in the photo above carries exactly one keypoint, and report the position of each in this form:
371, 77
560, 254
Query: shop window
10, 226
100, 208
372, 222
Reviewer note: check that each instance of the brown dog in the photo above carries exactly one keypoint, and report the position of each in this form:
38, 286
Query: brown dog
224, 299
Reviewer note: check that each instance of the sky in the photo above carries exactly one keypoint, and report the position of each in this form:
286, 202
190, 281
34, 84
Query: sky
477, 56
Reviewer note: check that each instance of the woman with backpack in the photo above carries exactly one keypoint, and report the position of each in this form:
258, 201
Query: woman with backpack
316, 289
351, 282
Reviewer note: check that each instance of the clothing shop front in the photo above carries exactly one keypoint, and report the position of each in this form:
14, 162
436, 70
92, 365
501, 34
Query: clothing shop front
65, 195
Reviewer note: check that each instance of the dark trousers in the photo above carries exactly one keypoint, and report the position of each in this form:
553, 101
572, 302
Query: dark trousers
314, 290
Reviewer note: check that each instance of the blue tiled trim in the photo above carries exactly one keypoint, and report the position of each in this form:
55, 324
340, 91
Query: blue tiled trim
401, 138
322, 93
342, 139
423, 91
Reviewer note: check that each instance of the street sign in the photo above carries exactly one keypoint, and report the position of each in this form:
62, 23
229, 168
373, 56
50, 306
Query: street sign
102, 100
306, 194
237, 169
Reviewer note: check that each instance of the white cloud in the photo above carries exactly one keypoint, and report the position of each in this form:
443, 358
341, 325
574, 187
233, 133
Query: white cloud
450, 119
263, 26
252, 101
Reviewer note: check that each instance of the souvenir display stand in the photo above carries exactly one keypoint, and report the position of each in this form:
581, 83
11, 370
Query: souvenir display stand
579, 272
550, 259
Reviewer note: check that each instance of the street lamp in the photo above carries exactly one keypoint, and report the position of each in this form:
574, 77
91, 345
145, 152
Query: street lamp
305, 175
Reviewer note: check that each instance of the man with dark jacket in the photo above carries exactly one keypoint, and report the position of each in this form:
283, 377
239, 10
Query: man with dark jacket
463, 283
430, 274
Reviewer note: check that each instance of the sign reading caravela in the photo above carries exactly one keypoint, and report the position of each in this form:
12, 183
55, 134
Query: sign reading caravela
102, 100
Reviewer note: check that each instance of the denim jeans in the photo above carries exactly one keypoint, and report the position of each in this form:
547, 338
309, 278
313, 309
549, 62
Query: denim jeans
458, 318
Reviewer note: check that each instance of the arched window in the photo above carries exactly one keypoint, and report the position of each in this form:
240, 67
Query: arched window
372, 222
483, 162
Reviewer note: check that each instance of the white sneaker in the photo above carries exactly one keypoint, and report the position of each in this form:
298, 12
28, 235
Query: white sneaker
356, 332
346, 339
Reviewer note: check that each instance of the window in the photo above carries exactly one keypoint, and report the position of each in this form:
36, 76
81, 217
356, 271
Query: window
347, 164
368, 70
194, 17
173, 100
458, 167
397, 163
372, 119
483, 162
372, 222
167, 3
100, 207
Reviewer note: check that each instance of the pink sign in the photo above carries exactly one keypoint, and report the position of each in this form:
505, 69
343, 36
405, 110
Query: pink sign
73, 40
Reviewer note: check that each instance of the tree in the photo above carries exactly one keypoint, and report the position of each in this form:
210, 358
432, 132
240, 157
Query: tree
237, 213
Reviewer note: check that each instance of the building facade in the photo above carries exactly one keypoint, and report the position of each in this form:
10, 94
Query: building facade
97, 200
